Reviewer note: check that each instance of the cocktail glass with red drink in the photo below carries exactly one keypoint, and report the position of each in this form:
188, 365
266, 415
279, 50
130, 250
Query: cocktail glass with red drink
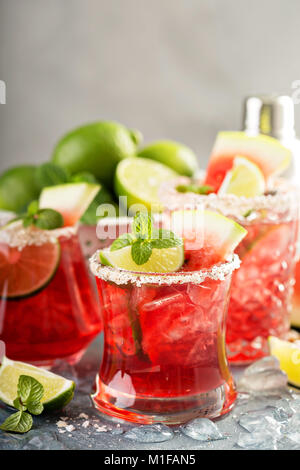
48, 307
164, 356
261, 291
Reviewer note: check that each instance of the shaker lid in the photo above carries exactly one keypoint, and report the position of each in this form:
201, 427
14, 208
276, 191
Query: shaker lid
270, 115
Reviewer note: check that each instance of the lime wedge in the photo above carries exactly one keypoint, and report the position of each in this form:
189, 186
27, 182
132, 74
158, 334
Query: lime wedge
58, 391
139, 179
288, 354
245, 179
164, 260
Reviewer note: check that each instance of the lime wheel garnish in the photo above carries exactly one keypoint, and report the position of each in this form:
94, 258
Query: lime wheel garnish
24, 272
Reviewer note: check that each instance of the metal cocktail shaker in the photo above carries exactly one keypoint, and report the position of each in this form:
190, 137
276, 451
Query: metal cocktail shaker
274, 115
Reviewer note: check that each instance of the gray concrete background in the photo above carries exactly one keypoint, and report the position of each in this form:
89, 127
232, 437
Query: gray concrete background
172, 68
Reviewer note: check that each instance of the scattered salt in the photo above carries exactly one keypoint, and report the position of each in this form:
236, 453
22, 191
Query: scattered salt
61, 424
70, 428
101, 429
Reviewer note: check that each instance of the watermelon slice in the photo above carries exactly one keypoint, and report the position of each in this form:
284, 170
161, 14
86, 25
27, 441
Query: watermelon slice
209, 237
71, 199
266, 152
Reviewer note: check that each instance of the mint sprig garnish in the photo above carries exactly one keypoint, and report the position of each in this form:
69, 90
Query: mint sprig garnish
28, 402
141, 251
142, 226
125, 239
195, 188
18, 422
29, 390
144, 238
45, 219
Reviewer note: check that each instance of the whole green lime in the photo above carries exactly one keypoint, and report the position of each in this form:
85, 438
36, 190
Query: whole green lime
96, 148
173, 154
139, 179
18, 188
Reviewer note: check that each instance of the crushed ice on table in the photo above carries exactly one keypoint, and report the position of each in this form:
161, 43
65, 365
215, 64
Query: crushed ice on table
150, 433
263, 376
259, 420
260, 440
202, 429
282, 410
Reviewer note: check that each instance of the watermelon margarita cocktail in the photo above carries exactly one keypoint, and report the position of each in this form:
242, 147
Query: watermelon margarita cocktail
164, 354
261, 291
48, 308
164, 351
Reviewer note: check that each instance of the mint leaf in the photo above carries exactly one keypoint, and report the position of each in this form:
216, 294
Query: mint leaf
29, 390
33, 208
249, 212
49, 174
18, 405
48, 219
141, 251
35, 408
124, 240
194, 188
28, 220
18, 422
142, 225
84, 177
166, 239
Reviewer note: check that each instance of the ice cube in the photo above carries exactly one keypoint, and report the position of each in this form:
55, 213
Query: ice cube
294, 437
259, 420
163, 302
283, 410
150, 433
265, 364
202, 429
269, 382
261, 440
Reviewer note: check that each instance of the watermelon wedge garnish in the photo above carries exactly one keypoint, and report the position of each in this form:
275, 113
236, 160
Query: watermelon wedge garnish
209, 237
70, 199
266, 152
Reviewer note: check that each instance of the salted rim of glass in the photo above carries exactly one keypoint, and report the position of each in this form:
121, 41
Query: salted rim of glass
229, 204
15, 235
217, 272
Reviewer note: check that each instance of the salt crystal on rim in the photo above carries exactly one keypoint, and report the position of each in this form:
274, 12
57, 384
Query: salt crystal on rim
16, 235
121, 277
273, 207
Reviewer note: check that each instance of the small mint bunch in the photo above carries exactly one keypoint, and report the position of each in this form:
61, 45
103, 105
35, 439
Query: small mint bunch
144, 238
45, 219
28, 402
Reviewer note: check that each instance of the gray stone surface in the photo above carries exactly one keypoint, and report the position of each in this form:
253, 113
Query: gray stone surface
80, 426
